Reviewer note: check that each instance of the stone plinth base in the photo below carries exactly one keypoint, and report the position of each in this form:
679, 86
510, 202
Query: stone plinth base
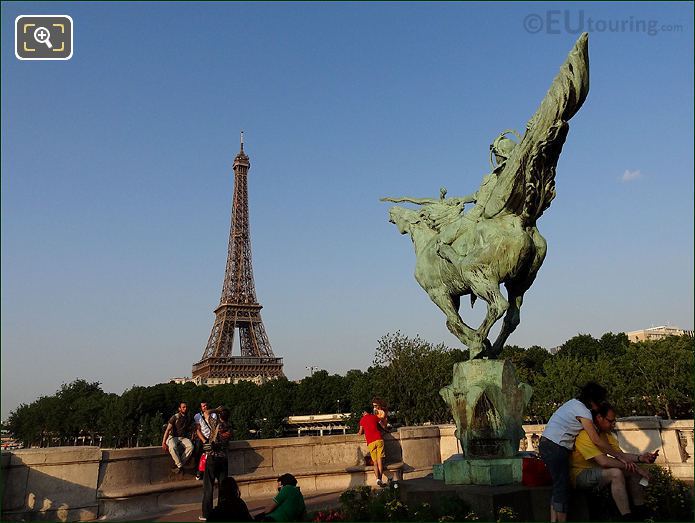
493, 471
530, 503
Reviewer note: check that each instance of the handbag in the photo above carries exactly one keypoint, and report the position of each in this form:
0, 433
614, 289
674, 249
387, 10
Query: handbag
202, 462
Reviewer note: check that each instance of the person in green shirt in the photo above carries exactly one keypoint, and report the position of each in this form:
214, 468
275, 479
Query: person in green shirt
288, 505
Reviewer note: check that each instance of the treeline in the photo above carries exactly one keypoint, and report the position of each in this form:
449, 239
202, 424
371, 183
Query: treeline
647, 378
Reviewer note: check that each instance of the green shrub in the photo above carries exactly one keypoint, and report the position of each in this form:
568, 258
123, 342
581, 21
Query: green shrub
365, 504
455, 507
423, 512
354, 503
668, 498
507, 514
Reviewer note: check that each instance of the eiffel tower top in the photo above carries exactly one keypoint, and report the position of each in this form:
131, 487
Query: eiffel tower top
241, 158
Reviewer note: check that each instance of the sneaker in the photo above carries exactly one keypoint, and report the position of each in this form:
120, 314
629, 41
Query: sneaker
177, 470
198, 477
202, 518
379, 483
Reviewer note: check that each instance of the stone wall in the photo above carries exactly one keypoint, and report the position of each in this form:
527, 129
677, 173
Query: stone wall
84, 483
57, 484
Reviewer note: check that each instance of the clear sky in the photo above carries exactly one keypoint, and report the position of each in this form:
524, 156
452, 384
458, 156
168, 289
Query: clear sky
117, 175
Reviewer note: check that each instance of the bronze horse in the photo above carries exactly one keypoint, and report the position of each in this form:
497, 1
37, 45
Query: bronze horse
497, 242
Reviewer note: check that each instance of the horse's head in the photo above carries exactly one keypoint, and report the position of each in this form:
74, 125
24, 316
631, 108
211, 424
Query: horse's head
403, 218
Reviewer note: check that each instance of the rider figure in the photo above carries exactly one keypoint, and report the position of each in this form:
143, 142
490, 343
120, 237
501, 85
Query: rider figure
501, 149
446, 215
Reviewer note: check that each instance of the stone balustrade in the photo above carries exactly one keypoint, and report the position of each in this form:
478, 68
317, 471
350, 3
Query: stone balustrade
86, 483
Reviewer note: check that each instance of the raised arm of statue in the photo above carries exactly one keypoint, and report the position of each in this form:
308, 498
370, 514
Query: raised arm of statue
429, 201
408, 199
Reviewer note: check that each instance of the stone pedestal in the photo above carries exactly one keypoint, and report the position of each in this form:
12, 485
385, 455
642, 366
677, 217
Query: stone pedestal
493, 471
487, 402
530, 503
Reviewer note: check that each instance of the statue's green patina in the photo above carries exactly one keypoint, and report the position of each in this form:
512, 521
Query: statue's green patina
496, 242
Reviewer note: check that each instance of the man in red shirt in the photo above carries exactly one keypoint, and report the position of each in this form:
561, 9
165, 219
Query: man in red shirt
371, 426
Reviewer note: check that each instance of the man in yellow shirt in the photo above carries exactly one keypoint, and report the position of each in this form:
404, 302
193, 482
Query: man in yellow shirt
592, 468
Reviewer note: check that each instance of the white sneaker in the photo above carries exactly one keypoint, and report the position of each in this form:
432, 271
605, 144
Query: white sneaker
201, 518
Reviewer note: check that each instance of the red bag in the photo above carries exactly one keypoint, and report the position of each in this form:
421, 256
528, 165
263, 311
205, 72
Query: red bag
202, 462
534, 473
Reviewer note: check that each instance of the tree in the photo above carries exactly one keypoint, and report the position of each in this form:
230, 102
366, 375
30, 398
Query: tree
412, 373
277, 398
659, 377
79, 406
614, 344
528, 362
319, 393
581, 346
646, 378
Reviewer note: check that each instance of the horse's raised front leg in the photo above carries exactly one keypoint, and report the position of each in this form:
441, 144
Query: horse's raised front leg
454, 323
510, 323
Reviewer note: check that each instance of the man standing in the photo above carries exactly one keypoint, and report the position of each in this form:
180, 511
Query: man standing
203, 431
371, 426
216, 467
177, 432
592, 468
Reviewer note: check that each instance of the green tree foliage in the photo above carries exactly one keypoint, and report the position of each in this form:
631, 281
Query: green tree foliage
583, 346
653, 378
661, 378
528, 362
412, 372
319, 394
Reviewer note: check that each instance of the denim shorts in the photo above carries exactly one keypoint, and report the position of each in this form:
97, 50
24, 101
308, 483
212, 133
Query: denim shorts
556, 458
590, 478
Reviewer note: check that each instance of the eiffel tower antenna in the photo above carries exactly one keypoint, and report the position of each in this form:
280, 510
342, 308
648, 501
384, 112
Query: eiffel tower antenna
239, 309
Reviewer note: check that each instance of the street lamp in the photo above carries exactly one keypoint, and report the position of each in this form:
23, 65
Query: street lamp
338, 406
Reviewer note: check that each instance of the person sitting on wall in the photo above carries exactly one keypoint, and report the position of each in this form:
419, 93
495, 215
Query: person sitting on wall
230, 507
591, 468
557, 442
288, 505
177, 433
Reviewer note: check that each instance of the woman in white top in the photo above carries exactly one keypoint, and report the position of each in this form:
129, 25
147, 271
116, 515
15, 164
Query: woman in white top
557, 442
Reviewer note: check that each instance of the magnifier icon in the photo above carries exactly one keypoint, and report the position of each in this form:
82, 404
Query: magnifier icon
43, 36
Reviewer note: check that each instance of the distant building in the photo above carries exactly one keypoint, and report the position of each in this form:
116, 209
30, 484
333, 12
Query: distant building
211, 382
657, 333
9, 442
316, 425
554, 350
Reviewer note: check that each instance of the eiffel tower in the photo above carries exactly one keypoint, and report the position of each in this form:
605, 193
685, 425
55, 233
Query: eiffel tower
238, 308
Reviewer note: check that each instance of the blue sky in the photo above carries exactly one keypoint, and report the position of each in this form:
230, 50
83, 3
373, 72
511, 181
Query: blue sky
117, 179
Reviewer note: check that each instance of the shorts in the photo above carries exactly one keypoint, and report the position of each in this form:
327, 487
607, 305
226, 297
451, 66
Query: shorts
590, 478
376, 450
